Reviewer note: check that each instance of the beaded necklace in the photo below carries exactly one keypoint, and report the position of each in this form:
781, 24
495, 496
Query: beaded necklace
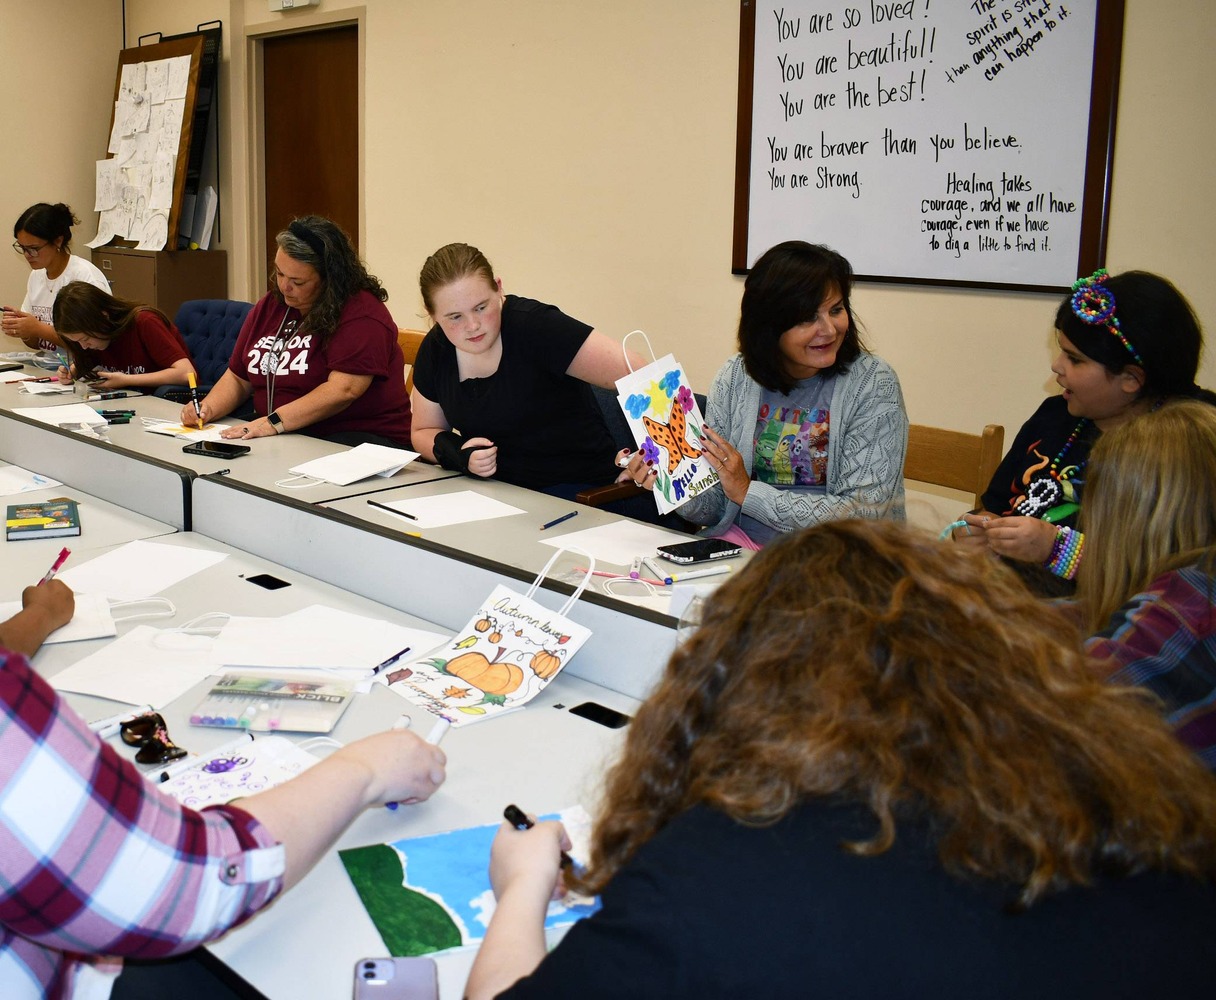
1052, 471
1048, 491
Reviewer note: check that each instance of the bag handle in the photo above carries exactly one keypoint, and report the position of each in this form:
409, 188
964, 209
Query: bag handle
166, 606
625, 340
578, 592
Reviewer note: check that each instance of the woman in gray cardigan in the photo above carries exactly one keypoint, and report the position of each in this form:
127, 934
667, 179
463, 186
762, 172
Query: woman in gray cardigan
803, 425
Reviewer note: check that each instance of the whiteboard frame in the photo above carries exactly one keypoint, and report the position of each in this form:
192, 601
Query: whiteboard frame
1099, 158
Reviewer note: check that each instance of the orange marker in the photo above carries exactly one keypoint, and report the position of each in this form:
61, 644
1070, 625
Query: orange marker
198, 410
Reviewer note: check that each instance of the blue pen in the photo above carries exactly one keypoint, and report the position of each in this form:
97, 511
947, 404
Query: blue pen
558, 520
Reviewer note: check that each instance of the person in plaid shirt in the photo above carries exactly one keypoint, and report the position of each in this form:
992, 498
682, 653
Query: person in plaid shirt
97, 864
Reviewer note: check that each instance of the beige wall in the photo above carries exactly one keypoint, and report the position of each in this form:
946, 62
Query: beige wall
588, 148
55, 118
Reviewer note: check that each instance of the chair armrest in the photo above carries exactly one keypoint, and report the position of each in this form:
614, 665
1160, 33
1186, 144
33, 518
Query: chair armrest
600, 496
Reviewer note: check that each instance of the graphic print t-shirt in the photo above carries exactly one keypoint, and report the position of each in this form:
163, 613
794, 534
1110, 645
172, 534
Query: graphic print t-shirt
791, 444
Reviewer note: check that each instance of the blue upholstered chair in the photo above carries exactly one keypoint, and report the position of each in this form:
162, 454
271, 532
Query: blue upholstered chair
210, 328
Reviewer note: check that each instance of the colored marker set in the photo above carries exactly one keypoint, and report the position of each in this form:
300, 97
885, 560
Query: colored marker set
298, 703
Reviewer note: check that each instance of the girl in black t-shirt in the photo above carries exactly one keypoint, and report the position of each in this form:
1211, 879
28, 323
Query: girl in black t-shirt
502, 384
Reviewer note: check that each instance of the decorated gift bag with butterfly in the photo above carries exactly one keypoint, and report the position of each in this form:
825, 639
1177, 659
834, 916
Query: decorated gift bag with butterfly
666, 423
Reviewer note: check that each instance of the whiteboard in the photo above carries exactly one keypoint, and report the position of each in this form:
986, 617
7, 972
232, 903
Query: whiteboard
929, 140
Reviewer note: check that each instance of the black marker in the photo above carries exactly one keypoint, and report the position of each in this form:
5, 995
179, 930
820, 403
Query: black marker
392, 510
519, 819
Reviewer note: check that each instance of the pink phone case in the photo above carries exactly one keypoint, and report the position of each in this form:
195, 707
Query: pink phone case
396, 979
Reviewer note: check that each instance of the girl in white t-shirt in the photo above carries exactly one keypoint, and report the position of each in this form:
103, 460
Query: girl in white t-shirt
43, 235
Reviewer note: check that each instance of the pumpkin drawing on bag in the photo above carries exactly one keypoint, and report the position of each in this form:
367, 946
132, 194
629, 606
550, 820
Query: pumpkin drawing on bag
494, 677
545, 664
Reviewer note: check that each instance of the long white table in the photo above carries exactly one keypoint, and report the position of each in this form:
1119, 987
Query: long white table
544, 757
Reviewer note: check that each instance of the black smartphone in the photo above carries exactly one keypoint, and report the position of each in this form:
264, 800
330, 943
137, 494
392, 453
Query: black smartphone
602, 714
267, 581
701, 550
216, 449
396, 979
10, 366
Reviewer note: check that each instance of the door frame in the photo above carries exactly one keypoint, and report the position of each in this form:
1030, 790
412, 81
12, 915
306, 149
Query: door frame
254, 271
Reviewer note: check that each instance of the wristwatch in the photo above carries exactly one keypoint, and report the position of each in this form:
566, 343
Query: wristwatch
275, 421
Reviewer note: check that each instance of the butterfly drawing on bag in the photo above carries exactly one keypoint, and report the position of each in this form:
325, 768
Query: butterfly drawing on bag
672, 436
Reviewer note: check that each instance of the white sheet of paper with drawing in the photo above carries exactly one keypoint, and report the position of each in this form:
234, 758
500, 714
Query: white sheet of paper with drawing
91, 619
139, 569
319, 637
14, 479
107, 185
179, 76
210, 432
161, 195
146, 666
131, 81
18, 375
618, 543
153, 232
156, 80
452, 508
106, 230
263, 763
166, 127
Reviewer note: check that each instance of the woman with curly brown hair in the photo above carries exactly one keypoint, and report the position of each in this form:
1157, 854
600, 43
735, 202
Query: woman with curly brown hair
877, 769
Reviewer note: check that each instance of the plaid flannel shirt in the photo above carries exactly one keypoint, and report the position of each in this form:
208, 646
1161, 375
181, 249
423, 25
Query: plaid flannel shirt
1165, 640
94, 861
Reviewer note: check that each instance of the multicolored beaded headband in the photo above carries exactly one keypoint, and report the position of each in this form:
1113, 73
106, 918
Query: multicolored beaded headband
1094, 303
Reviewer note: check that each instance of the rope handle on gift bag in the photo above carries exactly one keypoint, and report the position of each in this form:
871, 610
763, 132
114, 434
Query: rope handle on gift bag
578, 592
625, 340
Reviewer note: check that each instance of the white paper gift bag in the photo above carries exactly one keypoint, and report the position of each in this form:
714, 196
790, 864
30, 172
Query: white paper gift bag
507, 653
667, 425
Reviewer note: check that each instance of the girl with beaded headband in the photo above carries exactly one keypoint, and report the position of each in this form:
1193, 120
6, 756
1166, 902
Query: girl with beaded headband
1127, 343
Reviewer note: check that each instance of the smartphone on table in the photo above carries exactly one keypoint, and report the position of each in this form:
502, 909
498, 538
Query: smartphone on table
700, 550
216, 449
396, 979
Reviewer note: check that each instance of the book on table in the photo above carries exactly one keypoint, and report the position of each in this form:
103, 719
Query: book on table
58, 518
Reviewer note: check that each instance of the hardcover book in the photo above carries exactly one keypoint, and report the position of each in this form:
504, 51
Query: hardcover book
56, 518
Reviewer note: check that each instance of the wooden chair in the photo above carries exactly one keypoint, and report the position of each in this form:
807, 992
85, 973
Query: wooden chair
410, 341
954, 459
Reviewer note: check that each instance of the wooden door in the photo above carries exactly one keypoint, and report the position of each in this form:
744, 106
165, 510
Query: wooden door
311, 93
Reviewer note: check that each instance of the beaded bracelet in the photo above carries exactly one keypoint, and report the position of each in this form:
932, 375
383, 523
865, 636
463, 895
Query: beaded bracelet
1066, 552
